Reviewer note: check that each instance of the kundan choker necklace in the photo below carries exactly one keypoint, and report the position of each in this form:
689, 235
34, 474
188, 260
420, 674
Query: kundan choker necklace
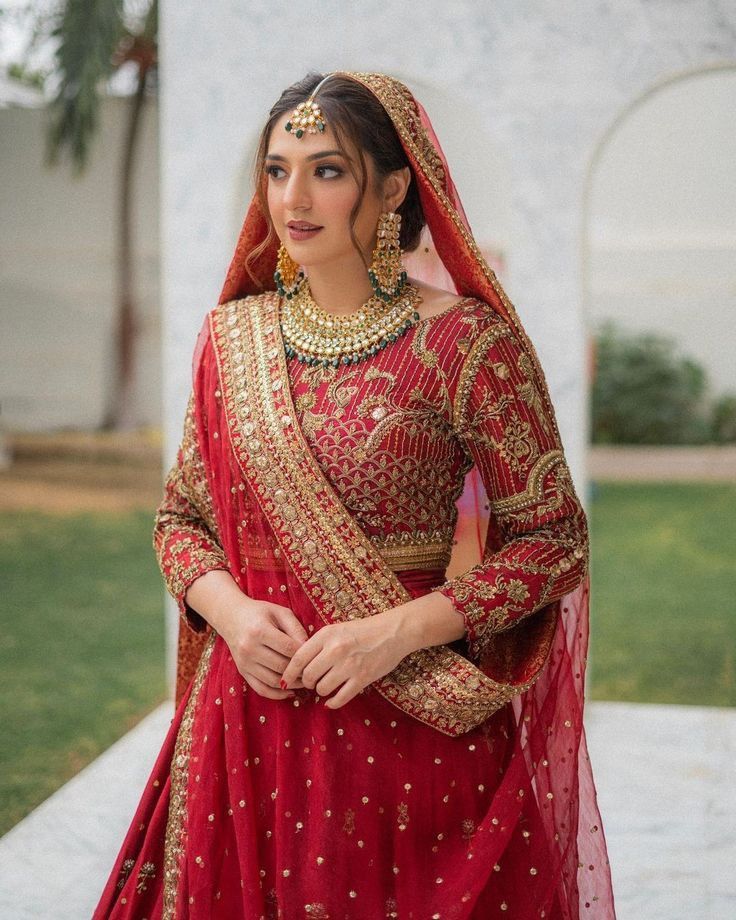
314, 336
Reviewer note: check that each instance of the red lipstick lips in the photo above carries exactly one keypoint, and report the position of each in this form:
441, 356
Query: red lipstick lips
302, 229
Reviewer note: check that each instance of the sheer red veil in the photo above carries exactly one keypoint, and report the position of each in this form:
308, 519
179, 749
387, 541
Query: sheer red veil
550, 760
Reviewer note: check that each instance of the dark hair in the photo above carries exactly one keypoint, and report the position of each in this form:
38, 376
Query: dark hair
356, 115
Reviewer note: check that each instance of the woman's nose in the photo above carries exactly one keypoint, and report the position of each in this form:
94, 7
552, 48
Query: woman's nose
296, 194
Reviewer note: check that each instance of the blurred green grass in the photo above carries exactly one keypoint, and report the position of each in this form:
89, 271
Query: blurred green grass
81, 645
663, 593
82, 626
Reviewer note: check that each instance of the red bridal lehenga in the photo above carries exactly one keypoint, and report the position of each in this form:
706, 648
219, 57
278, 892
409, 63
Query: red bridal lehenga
459, 785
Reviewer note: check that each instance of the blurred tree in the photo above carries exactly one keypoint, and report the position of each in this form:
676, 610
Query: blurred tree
644, 393
94, 40
724, 419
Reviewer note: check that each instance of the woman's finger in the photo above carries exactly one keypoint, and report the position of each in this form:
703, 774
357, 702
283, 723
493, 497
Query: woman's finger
330, 681
275, 661
280, 641
263, 689
349, 689
301, 659
291, 625
269, 677
317, 668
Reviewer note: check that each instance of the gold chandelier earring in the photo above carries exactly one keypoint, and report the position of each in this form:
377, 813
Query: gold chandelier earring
387, 275
288, 275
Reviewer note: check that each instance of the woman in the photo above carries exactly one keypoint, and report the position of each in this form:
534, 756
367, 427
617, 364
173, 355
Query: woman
363, 737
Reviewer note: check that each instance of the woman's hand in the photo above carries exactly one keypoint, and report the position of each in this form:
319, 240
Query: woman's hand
348, 655
262, 637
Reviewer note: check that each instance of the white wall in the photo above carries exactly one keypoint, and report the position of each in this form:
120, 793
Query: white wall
57, 273
662, 220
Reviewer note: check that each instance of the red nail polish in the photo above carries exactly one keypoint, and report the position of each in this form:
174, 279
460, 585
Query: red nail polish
283, 683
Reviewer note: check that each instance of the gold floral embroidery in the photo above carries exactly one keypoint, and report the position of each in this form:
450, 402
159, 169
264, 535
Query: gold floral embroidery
517, 590
273, 911
402, 818
420, 348
468, 374
175, 837
312, 422
187, 558
468, 828
557, 561
190, 474
528, 391
125, 872
348, 824
518, 446
342, 391
364, 455
417, 550
534, 489
147, 871
185, 534
558, 493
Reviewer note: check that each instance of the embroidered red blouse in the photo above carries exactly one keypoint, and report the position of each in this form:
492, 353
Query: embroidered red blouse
396, 435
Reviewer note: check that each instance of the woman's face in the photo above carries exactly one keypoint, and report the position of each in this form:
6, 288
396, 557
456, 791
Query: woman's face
310, 185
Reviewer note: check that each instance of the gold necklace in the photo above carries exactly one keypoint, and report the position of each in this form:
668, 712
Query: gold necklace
315, 336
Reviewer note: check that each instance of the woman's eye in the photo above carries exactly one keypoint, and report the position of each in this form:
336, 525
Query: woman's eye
271, 171
321, 170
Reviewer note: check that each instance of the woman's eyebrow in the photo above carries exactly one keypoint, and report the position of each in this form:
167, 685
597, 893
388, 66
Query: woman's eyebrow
312, 156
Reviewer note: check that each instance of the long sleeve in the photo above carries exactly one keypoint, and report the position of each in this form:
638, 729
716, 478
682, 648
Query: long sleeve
537, 545
185, 536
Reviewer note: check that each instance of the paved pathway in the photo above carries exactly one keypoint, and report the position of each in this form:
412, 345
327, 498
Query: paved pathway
72, 472
666, 790
706, 464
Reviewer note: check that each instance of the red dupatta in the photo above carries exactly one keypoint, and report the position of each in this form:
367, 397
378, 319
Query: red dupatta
539, 665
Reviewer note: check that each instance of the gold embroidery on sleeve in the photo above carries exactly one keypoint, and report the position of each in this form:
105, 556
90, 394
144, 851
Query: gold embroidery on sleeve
529, 393
474, 358
185, 534
534, 489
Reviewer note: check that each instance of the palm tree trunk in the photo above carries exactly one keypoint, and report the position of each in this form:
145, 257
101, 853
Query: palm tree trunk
121, 414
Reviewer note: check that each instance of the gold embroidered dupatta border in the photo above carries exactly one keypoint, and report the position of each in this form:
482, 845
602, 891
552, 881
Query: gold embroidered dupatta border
340, 570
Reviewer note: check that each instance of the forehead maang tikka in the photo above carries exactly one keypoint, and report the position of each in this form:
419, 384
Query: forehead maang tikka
307, 117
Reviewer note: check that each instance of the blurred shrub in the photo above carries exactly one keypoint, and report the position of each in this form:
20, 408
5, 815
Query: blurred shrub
724, 419
644, 393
